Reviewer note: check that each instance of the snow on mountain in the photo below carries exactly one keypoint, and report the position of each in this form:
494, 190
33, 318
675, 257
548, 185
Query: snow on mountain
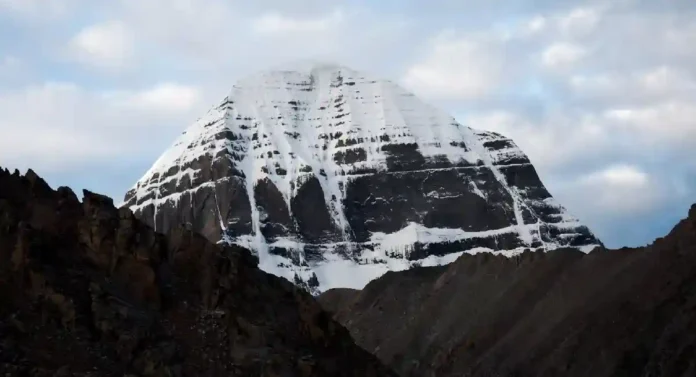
334, 177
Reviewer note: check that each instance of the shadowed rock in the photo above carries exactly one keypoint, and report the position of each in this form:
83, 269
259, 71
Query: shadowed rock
627, 312
86, 289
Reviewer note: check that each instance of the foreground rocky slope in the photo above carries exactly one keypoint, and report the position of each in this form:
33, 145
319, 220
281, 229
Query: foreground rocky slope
333, 177
88, 290
628, 312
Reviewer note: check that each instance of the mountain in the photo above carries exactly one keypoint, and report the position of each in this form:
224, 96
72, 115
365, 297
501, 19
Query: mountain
88, 290
627, 312
333, 177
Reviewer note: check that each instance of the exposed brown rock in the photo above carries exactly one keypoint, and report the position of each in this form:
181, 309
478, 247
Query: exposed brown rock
88, 290
627, 312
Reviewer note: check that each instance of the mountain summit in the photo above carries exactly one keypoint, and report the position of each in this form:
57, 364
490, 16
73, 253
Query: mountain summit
333, 177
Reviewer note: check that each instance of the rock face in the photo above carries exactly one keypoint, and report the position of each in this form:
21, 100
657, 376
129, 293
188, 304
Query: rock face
88, 290
333, 177
628, 312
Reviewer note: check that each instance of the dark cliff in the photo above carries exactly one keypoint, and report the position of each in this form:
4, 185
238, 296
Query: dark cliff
88, 290
627, 312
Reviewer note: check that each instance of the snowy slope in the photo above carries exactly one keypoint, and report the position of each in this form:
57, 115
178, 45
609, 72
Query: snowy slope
287, 140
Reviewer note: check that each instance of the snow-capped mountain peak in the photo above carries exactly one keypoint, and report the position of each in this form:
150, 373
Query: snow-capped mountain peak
334, 177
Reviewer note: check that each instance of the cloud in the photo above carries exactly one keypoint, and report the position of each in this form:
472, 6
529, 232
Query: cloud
562, 55
10, 66
9, 62
61, 126
165, 97
536, 24
107, 45
619, 190
653, 107
37, 8
461, 67
204, 40
620, 175
279, 23
675, 121
664, 79
579, 21
637, 87
612, 135
42, 121
553, 141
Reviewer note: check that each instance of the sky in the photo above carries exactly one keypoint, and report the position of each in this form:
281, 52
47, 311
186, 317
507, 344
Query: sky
601, 95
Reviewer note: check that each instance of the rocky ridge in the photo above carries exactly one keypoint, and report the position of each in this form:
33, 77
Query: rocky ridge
626, 312
333, 177
86, 289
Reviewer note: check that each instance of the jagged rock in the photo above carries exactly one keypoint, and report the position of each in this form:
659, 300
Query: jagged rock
627, 312
328, 172
88, 290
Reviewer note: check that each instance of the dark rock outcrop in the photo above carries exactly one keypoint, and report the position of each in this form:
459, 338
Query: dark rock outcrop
627, 312
86, 289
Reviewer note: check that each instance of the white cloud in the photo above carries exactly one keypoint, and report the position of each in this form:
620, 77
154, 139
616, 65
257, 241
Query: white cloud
536, 24
675, 121
60, 126
667, 80
42, 121
278, 23
594, 84
680, 39
615, 195
552, 142
9, 62
165, 97
207, 37
9, 66
661, 80
108, 45
170, 97
575, 24
620, 175
465, 67
204, 31
620, 190
563, 147
579, 21
37, 8
562, 55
